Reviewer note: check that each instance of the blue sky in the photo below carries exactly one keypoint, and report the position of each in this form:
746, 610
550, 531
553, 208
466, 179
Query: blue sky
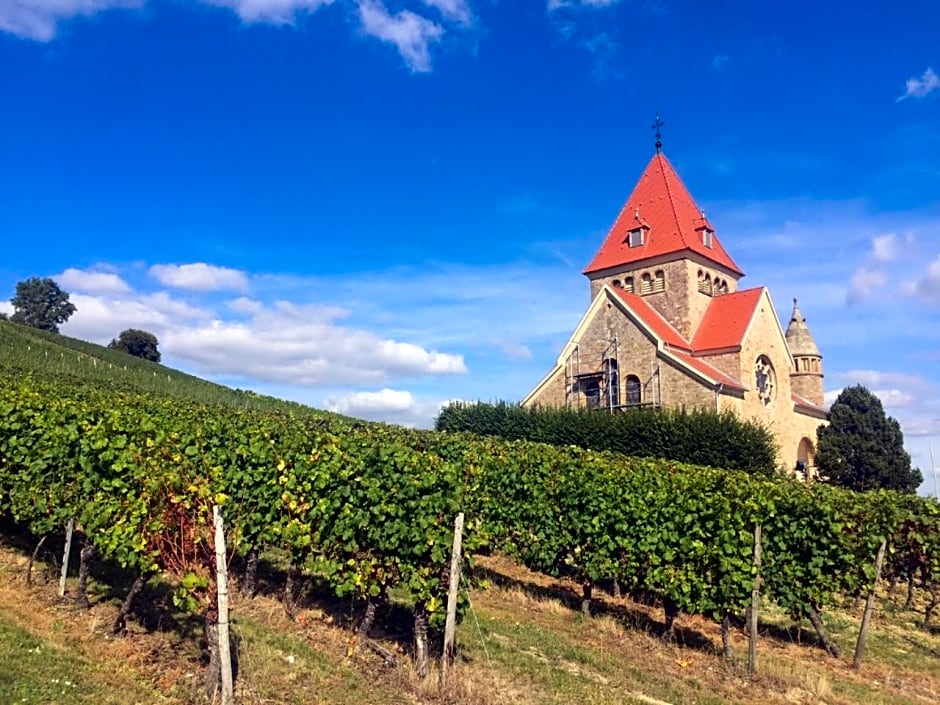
377, 205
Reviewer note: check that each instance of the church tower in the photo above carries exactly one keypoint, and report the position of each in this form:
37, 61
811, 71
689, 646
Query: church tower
806, 379
663, 247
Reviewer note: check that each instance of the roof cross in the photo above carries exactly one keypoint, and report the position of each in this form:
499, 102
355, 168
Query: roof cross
659, 137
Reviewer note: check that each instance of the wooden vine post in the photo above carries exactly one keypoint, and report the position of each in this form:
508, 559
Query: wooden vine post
755, 602
221, 568
869, 606
453, 592
69, 529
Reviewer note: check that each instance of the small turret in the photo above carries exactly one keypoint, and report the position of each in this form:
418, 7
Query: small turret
806, 379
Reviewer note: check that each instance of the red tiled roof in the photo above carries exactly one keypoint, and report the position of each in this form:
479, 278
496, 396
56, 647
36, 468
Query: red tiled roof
653, 320
726, 320
677, 346
661, 201
803, 401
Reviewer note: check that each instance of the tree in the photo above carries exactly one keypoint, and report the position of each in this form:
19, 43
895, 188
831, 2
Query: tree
863, 449
40, 303
138, 343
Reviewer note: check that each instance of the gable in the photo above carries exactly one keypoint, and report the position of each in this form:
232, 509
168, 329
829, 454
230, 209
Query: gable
764, 331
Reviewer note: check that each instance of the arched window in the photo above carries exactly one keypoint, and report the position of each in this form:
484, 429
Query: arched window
634, 396
646, 284
612, 383
659, 282
616, 283
628, 285
765, 380
701, 282
708, 284
592, 394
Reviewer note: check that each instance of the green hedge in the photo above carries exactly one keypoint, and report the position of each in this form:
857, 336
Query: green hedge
697, 437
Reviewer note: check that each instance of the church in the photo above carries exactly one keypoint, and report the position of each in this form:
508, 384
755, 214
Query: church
669, 326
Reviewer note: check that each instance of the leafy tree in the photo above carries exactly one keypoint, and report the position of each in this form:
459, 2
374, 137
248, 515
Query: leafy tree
138, 343
862, 448
40, 303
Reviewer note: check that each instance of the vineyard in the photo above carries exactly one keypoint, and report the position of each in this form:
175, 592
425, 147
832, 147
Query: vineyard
369, 509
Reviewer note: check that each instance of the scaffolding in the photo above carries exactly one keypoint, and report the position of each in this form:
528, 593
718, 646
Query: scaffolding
599, 383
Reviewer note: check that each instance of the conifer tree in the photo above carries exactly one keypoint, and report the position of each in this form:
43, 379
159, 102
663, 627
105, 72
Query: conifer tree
862, 448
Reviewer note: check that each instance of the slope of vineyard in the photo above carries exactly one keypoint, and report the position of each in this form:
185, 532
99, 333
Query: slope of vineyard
43, 355
361, 514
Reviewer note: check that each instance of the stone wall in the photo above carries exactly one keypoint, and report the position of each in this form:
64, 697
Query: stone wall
809, 385
612, 334
680, 303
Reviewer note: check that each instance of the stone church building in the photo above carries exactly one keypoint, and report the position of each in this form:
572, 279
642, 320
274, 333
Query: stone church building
668, 326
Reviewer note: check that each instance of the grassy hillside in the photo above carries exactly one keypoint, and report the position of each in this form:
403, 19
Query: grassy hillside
524, 643
28, 351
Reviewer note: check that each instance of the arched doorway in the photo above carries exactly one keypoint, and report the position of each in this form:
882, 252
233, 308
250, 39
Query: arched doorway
806, 459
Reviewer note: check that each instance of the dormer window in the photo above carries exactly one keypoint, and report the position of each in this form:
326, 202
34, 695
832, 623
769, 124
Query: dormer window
635, 238
708, 237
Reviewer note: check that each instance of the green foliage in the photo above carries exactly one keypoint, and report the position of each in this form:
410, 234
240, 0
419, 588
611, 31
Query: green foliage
57, 358
40, 303
138, 343
862, 448
370, 507
698, 437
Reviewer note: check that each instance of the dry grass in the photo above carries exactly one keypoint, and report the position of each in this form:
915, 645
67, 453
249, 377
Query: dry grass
524, 642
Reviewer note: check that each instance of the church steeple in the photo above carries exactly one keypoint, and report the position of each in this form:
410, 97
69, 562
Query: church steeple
663, 246
660, 219
806, 379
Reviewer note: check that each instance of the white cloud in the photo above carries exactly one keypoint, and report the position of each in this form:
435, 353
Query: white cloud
382, 401
876, 378
38, 19
870, 279
927, 287
91, 281
453, 10
270, 11
245, 305
390, 405
885, 247
920, 87
866, 282
100, 318
894, 398
303, 346
174, 309
911, 399
281, 342
6, 307
558, 4
412, 34
719, 60
199, 276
